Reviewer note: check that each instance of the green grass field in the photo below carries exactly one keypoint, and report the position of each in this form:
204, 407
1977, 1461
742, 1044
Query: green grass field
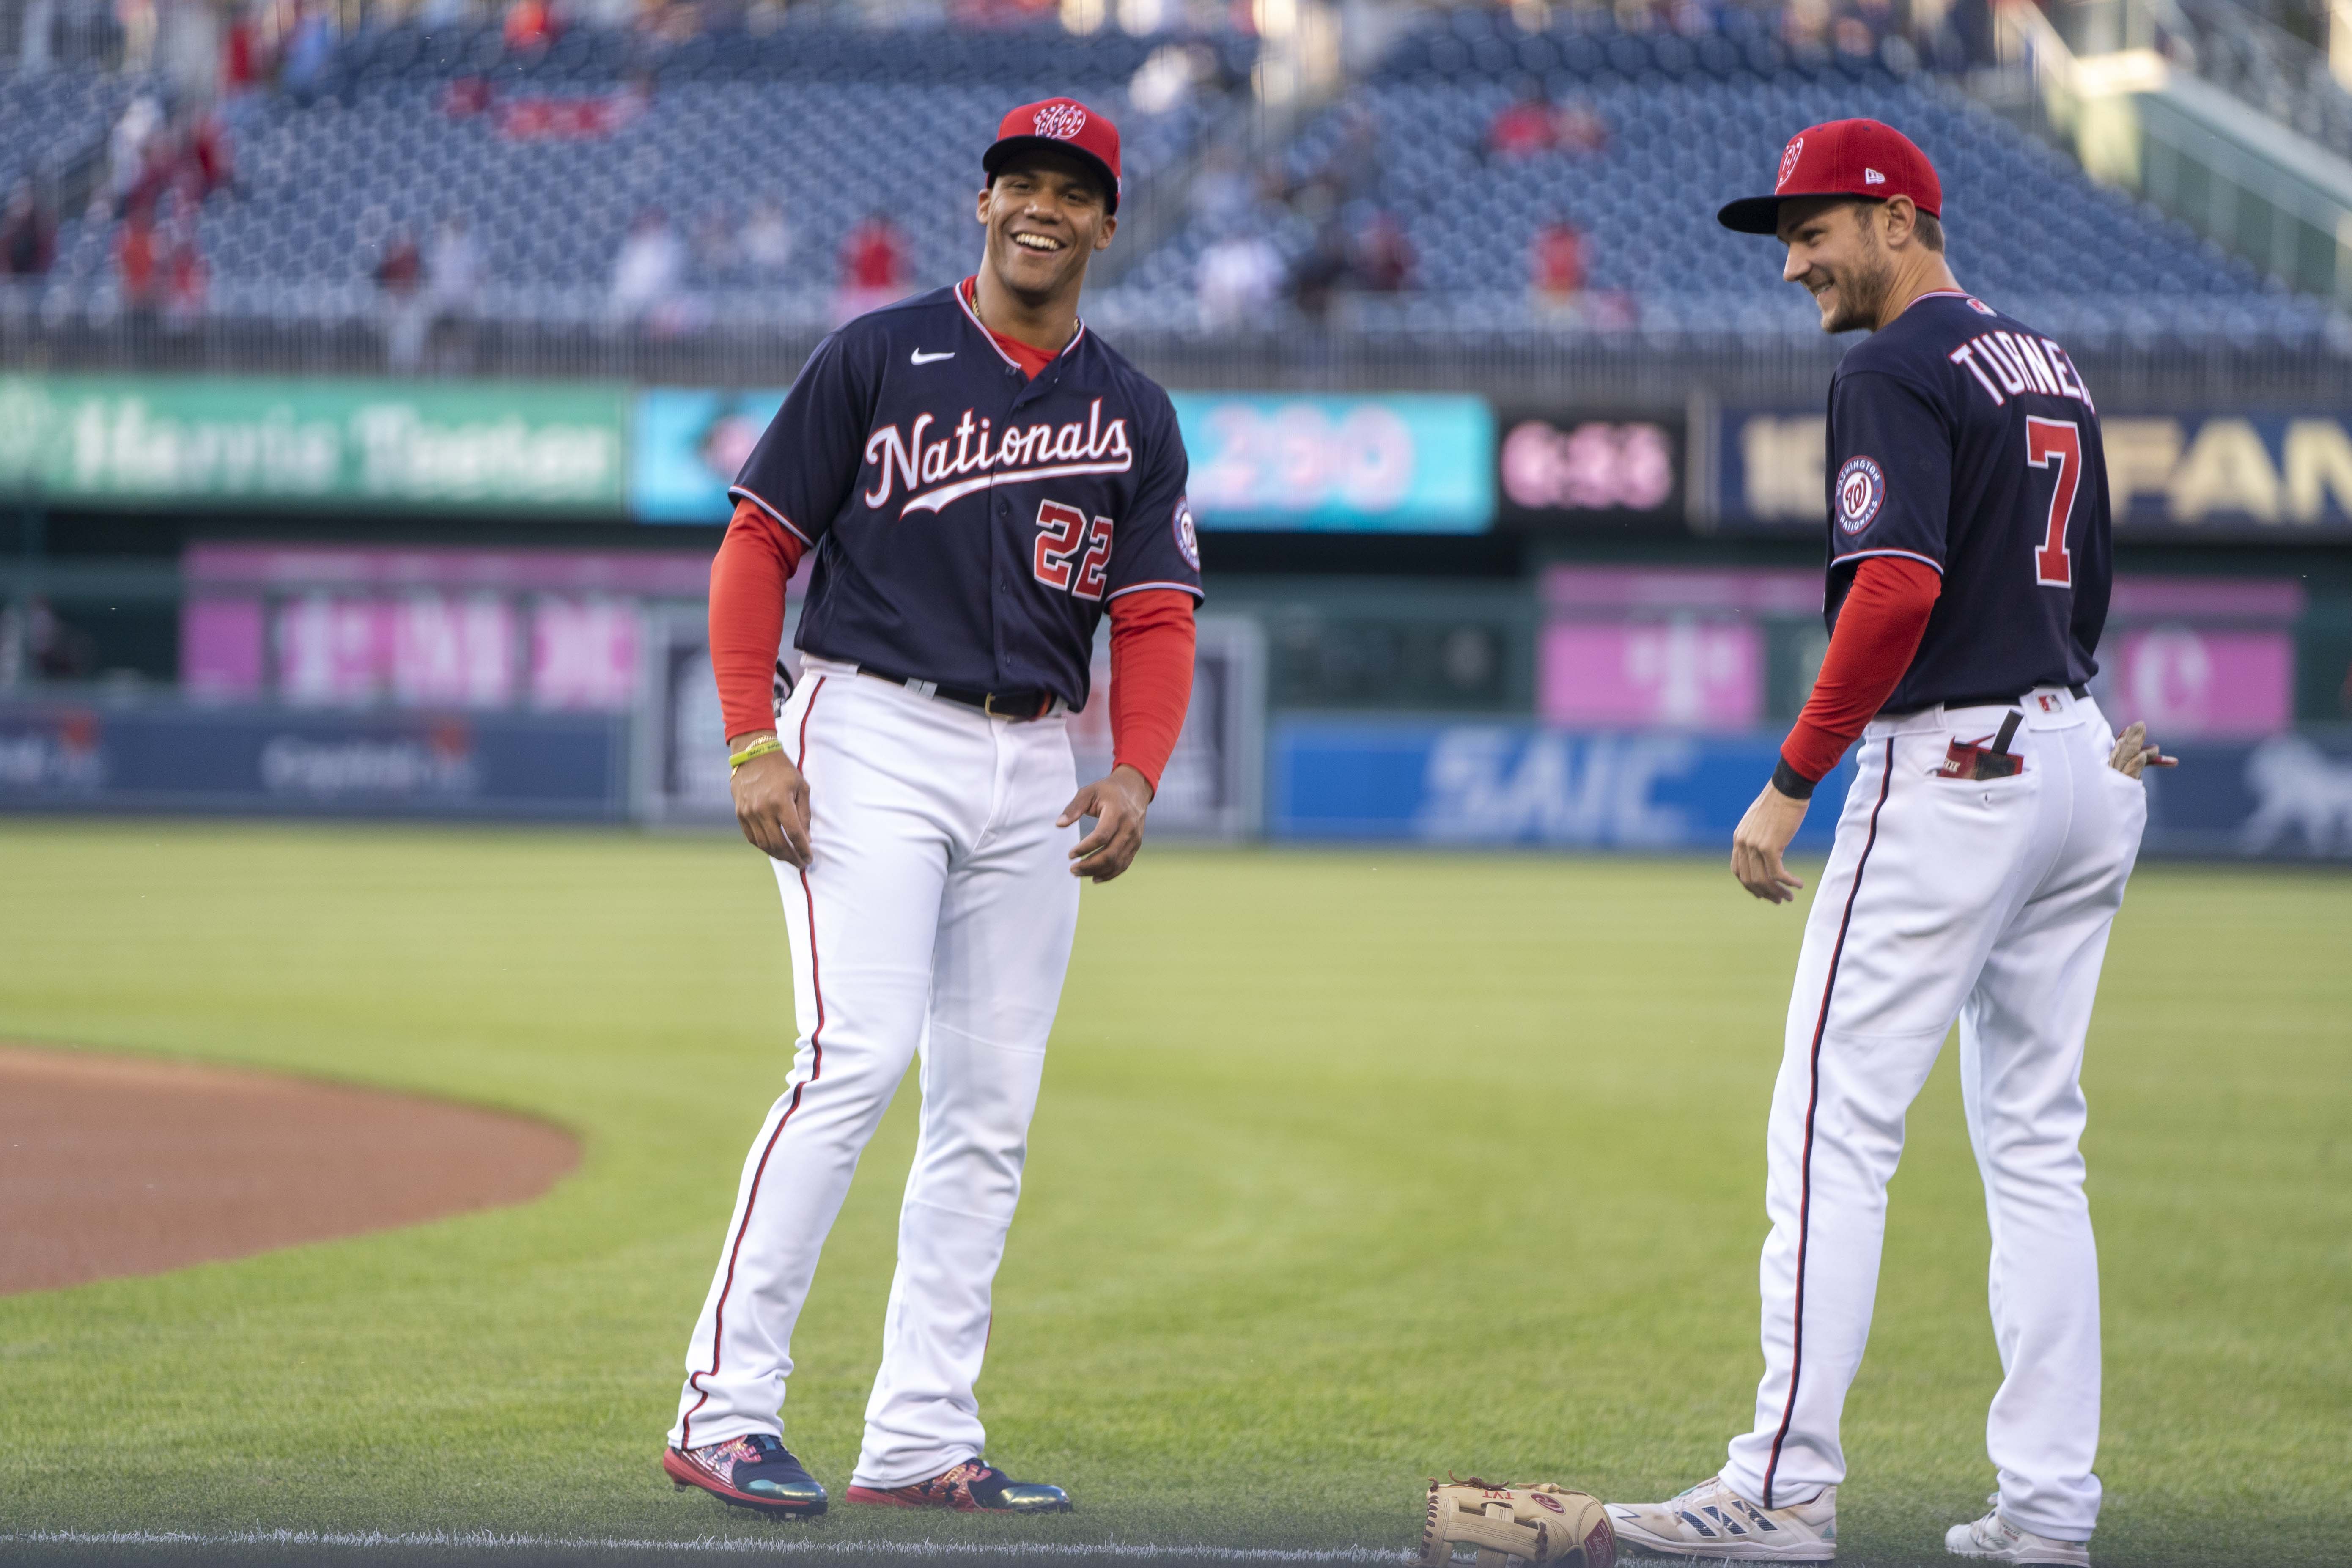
1350, 1169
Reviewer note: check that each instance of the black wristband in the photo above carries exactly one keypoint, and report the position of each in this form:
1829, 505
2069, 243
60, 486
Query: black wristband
1789, 781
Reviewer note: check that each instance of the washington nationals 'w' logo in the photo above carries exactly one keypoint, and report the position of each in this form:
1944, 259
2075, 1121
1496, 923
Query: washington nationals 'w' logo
1796, 149
1061, 121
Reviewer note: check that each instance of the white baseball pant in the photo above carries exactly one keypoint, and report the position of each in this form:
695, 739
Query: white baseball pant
1990, 901
935, 916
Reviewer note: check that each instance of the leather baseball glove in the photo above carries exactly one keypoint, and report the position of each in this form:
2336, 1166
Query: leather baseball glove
1536, 1522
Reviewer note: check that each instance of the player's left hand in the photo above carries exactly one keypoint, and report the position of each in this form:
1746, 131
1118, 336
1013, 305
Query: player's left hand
2134, 752
1118, 803
1757, 842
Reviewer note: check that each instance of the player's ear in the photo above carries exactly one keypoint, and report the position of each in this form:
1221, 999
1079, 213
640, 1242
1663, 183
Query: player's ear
983, 209
1109, 227
1902, 220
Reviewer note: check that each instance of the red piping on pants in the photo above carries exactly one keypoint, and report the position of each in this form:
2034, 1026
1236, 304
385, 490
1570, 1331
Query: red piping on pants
1812, 1102
817, 1069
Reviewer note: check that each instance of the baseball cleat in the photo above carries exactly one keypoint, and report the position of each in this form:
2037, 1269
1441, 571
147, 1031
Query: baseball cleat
756, 1472
973, 1486
1996, 1539
1714, 1522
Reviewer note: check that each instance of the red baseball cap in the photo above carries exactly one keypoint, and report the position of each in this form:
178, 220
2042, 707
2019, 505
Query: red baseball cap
1064, 123
1841, 158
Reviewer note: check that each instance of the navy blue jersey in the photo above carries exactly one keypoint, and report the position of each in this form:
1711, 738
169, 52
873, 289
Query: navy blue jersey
1962, 439
971, 524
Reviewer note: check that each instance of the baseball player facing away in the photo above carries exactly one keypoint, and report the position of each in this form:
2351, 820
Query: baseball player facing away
1980, 860
979, 479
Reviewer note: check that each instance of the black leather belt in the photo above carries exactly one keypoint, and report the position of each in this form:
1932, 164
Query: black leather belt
2078, 692
1019, 707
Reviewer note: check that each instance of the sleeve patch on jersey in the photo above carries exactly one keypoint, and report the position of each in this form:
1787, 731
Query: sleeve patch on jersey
1187, 540
1861, 492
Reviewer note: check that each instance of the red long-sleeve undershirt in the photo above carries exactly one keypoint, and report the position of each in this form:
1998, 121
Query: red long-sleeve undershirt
1878, 629
1152, 639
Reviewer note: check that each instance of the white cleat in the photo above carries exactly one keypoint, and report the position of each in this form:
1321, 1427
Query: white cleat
1996, 1539
1714, 1522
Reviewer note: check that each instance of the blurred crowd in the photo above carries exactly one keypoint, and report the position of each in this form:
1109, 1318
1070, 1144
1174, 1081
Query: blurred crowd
1361, 248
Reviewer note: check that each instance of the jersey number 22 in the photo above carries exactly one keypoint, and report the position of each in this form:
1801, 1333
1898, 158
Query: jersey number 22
2058, 441
1060, 530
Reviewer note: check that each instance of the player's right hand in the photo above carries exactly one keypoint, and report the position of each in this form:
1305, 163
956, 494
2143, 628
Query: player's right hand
771, 805
1758, 843
2133, 753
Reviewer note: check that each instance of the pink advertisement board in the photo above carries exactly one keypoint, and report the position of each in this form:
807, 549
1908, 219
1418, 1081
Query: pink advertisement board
556, 630
1681, 674
2192, 684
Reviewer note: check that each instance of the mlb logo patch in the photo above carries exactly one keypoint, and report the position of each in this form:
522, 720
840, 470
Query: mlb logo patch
1979, 307
1861, 492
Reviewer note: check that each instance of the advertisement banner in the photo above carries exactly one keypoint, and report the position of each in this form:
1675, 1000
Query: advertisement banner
1400, 464
686, 446
1561, 470
522, 448
2288, 797
1211, 788
256, 761
1506, 785
2268, 476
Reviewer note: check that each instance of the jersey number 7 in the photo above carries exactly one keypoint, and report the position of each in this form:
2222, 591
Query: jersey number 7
1059, 529
2059, 441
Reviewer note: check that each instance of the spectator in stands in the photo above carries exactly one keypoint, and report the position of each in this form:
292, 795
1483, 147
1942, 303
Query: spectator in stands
767, 242
1322, 272
209, 155
454, 276
399, 276
530, 26
1556, 269
138, 262
649, 269
717, 243
126, 148
1382, 258
308, 52
453, 270
187, 278
241, 66
873, 267
1581, 131
28, 238
1238, 280
1528, 126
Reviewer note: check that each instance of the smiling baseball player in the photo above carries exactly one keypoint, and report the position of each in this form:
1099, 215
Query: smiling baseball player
1981, 858
979, 479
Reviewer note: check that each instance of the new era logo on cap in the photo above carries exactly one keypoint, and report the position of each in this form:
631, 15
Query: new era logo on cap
1066, 124
1841, 158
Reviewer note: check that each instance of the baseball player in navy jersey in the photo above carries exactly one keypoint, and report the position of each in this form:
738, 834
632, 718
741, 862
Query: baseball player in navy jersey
979, 479
1980, 860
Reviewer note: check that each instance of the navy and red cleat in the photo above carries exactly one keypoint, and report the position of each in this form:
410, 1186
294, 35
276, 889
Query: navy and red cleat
755, 1472
973, 1486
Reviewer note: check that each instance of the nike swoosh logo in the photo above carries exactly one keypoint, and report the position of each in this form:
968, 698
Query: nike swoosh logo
919, 357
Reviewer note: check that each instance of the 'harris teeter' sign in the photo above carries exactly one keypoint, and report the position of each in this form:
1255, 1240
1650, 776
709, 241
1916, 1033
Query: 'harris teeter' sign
553, 448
